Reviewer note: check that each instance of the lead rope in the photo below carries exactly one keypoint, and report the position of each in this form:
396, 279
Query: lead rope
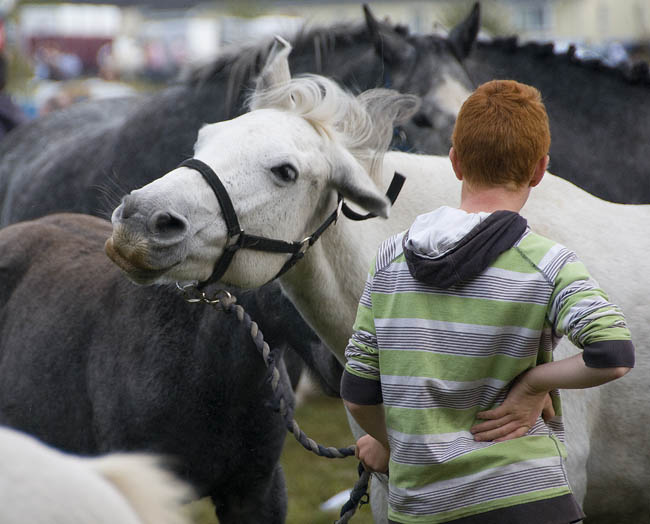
224, 301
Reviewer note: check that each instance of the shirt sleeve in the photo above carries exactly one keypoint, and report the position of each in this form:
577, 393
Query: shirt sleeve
583, 312
360, 382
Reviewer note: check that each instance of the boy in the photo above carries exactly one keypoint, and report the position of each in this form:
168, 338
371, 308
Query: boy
458, 321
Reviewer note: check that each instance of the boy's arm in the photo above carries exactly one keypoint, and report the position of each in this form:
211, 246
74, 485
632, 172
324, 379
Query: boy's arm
581, 311
360, 385
371, 419
361, 388
525, 401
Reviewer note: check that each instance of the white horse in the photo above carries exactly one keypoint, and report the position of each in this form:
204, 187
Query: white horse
284, 163
40, 485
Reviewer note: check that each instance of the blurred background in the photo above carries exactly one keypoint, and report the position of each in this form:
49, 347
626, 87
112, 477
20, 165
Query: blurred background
59, 53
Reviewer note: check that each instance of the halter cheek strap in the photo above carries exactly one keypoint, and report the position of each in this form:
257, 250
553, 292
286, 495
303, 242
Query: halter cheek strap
237, 239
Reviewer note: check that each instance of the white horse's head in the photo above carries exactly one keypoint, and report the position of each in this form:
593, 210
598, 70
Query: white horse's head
304, 141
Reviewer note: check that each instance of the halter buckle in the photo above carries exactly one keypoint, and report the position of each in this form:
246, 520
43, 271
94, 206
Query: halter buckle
234, 241
305, 244
339, 208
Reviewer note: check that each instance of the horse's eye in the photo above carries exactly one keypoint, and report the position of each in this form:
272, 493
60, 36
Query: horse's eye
285, 172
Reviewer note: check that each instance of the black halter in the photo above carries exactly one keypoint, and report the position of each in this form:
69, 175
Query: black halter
237, 239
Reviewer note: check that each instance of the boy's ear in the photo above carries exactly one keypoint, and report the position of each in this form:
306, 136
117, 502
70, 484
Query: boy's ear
455, 164
540, 169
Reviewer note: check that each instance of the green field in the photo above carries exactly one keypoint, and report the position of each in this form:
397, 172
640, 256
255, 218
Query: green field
311, 480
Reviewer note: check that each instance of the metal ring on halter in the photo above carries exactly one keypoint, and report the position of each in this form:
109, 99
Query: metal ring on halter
187, 291
200, 296
214, 300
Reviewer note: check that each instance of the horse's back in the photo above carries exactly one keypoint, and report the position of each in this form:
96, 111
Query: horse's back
44, 241
61, 161
39, 485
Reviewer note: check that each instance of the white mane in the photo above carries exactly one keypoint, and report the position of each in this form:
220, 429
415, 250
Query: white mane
362, 124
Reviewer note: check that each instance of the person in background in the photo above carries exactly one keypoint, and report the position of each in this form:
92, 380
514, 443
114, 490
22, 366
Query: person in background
10, 114
451, 360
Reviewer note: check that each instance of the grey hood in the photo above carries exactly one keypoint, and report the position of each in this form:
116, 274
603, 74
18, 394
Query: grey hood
449, 246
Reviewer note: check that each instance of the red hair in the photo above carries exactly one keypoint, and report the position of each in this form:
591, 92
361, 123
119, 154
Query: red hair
501, 133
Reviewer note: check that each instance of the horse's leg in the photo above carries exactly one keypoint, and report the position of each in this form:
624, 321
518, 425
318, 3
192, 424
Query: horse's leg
378, 483
254, 501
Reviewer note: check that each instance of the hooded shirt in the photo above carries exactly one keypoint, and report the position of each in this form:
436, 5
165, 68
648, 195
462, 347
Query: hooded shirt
449, 245
453, 310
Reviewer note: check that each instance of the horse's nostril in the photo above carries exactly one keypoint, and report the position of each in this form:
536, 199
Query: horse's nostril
127, 208
167, 223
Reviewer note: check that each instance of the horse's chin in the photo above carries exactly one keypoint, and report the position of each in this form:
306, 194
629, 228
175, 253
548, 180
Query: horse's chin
142, 275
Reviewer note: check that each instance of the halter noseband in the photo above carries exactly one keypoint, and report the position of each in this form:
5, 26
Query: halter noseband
238, 239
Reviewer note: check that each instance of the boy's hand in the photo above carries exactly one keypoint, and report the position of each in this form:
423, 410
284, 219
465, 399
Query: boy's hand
514, 418
372, 454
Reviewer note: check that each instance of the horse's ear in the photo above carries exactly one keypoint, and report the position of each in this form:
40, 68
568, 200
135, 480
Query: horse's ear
389, 107
462, 37
353, 182
391, 45
275, 72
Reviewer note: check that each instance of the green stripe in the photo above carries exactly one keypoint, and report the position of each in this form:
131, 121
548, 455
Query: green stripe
421, 421
458, 309
479, 508
535, 247
452, 367
611, 333
512, 260
373, 267
572, 272
368, 363
498, 455
364, 321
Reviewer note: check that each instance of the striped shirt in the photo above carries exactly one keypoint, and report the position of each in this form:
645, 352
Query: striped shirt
437, 356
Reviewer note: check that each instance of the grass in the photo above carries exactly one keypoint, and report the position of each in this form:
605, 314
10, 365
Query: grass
311, 480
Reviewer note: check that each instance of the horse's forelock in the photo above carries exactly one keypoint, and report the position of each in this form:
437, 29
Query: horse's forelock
362, 124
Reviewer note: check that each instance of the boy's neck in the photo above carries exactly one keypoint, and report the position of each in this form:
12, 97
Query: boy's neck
492, 199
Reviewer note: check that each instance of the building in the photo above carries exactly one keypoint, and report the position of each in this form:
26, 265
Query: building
161, 34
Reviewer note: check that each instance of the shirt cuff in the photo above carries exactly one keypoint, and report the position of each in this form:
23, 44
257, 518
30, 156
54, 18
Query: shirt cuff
359, 390
609, 354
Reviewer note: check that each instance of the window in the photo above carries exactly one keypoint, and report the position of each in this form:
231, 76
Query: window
534, 16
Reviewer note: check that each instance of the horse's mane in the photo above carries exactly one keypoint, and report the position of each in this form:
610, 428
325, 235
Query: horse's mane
637, 73
241, 63
363, 124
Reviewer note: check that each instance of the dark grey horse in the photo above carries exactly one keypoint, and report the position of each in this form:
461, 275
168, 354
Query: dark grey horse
599, 115
91, 363
85, 157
